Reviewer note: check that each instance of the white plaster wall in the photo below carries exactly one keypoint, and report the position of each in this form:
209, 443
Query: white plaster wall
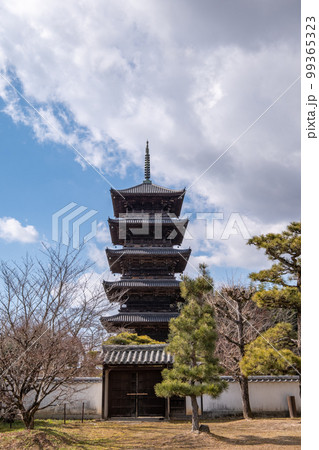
272, 396
229, 400
264, 397
88, 393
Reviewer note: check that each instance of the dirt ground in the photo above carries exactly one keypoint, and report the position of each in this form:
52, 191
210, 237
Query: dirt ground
225, 434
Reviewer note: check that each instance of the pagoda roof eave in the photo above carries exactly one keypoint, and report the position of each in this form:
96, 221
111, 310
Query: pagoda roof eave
147, 189
167, 251
142, 283
140, 317
128, 198
118, 257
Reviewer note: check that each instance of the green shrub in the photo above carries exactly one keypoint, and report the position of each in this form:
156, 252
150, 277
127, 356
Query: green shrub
126, 338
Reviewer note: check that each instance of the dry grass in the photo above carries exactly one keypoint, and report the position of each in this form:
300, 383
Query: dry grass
225, 434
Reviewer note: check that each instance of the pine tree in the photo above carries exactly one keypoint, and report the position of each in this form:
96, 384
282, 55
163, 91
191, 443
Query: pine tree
281, 284
272, 353
192, 341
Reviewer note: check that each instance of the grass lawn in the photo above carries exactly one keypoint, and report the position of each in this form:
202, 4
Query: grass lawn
225, 434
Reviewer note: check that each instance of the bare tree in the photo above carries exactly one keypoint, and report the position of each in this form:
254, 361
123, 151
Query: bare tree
239, 321
117, 297
49, 307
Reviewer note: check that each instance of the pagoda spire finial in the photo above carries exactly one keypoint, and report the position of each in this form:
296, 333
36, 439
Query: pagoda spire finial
147, 170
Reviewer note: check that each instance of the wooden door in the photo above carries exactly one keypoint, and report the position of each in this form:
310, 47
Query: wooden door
131, 394
120, 384
149, 404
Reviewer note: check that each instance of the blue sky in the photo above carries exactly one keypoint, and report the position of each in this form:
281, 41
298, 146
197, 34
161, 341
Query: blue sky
38, 179
108, 78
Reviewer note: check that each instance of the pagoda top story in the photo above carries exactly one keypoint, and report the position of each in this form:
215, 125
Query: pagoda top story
154, 198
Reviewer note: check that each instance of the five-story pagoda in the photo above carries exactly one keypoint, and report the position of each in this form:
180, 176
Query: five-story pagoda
148, 227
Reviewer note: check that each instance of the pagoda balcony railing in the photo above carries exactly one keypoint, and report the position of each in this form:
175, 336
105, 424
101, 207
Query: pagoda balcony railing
151, 276
138, 220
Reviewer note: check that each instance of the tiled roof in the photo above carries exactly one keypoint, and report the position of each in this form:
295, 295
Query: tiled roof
148, 188
155, 354
86, 380
141, 317
128, 257
135, 354
265, 379
169, 251
142, 283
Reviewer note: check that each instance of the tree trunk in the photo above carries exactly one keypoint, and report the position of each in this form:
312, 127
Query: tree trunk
299, 345
28, 419
243, 382
299, 331
195, 421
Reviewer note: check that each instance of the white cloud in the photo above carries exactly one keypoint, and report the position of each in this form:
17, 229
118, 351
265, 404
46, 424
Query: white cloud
113, 75
208, 245
97, 255
11, 230
103, 234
